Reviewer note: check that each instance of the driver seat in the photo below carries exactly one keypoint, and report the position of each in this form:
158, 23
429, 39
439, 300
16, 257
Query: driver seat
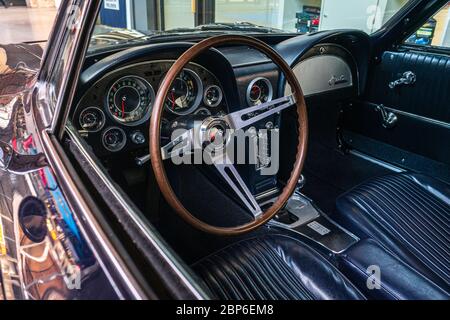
273, 267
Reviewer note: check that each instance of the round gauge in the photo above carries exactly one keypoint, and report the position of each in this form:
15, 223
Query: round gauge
130, 99
203, 111
212, 96
114, 139
92, 119
185, 94
259, 91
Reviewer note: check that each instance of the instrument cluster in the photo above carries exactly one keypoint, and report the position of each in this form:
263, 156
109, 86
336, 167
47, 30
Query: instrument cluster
114, 113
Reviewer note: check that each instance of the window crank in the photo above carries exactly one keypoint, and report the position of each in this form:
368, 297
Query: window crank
408, 78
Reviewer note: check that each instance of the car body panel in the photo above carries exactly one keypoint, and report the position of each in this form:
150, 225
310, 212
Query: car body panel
62, 266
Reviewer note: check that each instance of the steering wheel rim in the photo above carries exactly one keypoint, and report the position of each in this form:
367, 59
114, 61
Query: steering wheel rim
155, 134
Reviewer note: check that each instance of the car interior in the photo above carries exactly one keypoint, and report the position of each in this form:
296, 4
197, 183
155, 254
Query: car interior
374, 191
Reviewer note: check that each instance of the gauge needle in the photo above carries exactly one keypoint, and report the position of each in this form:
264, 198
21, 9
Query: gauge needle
123, 108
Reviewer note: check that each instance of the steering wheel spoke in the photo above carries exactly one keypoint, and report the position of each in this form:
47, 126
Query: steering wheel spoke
228, 171
248, 116
178, 146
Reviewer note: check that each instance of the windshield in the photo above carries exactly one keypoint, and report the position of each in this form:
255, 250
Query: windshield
123, 21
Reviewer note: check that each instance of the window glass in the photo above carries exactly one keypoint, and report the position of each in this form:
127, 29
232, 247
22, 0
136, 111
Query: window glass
122, 20
435, 32
67, 46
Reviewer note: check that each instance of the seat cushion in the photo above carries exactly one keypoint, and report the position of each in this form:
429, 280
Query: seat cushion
273, 267
409, 214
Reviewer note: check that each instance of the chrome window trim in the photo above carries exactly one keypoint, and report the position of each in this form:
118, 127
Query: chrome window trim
168, 256
80, 45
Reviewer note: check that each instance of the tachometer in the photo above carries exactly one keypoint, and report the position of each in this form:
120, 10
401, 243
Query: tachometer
185, 94
259, 91
130, 100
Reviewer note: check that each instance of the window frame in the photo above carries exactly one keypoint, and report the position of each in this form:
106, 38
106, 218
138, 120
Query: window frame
426, 48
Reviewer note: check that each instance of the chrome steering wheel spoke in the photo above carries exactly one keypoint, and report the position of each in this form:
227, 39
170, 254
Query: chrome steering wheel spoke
248, 116
228, 171
181, 145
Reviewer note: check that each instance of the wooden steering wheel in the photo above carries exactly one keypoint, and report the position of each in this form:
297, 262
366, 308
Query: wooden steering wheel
235, 121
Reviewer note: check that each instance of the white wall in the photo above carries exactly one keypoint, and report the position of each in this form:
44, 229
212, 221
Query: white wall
261, 12
178, 13
392, 7
365, 15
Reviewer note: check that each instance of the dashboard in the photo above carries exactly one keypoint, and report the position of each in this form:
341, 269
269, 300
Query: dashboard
117, 90
113, 115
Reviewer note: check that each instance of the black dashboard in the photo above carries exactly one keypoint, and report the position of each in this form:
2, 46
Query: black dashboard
117, 89
113, 114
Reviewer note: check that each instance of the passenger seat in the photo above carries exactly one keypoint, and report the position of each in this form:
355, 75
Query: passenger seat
408, 215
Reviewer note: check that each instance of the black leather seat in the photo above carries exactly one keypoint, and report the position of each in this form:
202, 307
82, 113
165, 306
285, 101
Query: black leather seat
409, 215
273, 267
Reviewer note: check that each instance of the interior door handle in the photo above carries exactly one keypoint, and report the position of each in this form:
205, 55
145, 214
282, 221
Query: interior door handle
408, 78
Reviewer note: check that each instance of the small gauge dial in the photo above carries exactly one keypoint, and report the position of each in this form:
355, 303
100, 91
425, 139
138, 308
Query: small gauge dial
213, 96
92, 119
114, 139
203, 112
259, 91
130, 100
185, 94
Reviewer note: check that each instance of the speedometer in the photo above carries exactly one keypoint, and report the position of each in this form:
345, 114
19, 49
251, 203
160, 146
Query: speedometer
130, 99
185, 94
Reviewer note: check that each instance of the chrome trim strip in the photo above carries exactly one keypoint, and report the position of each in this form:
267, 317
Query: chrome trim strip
418, 117
446, 125
100, 237
59, 108
142, 225
266, 194
376, 161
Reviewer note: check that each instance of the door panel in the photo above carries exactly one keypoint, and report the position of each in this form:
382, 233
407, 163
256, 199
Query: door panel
420, 138
428, 97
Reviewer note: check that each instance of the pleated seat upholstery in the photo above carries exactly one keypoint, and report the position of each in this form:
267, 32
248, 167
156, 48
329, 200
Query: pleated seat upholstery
273, 267
409, 214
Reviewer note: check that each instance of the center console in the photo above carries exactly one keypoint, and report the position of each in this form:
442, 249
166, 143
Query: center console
302, 216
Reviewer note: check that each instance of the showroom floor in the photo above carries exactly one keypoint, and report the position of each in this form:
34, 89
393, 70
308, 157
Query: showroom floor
21, 24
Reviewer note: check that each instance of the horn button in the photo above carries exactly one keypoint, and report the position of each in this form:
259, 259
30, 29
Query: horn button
215, 132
